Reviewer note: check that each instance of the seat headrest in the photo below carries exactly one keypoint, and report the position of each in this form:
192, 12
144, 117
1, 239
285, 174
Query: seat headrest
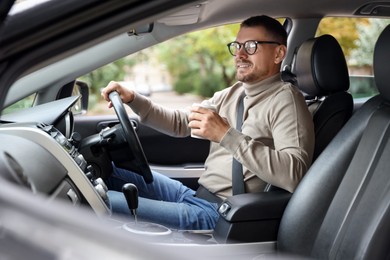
320, 67
381, 60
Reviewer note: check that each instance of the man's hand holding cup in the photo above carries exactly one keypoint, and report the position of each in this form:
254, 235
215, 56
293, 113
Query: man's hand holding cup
205, 123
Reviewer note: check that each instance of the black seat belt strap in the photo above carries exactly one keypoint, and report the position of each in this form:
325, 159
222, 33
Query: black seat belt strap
237, 173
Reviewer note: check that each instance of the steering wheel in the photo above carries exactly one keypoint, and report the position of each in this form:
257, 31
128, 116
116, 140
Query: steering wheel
140, 163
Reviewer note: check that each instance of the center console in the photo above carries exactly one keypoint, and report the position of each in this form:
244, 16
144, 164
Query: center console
69, 145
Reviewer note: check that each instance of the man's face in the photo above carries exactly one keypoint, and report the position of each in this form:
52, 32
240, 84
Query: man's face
264, 63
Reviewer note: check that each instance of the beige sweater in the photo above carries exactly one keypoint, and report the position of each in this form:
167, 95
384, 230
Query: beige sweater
276, 143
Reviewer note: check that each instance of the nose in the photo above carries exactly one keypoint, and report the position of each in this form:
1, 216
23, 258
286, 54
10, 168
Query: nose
240, 54
241, 50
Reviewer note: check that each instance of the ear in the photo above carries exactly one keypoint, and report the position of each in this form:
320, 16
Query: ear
280, 53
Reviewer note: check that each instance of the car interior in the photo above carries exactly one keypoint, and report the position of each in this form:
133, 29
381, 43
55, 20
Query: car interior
321, 72
53, 159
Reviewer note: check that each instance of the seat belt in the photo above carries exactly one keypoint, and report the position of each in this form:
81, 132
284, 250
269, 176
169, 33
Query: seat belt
237, 173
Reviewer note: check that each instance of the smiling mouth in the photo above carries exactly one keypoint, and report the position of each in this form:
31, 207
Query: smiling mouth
243, 65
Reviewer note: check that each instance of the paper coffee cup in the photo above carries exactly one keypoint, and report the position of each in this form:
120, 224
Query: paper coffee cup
204, 104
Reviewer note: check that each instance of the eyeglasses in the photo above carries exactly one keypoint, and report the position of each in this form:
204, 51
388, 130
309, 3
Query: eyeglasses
250, 47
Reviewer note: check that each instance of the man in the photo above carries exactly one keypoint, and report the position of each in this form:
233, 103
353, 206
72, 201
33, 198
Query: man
274, 145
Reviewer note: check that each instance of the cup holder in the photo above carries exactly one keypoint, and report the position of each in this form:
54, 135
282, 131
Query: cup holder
147, 229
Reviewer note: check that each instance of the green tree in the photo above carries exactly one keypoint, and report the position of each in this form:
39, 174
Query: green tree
100, 77
201, 63
368, 35
344, 30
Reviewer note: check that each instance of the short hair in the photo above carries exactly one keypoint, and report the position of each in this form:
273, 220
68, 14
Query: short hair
273, 26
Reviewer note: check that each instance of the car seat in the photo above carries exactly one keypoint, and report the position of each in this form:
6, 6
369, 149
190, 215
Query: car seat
341, 208
321, 73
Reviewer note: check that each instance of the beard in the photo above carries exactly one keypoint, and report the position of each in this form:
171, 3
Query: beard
249, 78
246, 76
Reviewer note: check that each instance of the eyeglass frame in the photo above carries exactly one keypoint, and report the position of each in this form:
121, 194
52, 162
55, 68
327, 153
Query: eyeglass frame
243, 45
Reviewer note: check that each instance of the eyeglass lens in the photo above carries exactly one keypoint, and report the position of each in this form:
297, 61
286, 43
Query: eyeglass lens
250, 47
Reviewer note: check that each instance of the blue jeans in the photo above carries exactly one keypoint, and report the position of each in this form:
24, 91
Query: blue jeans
164, 201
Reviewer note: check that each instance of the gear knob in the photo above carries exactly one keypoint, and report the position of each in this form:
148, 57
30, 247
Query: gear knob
131, 194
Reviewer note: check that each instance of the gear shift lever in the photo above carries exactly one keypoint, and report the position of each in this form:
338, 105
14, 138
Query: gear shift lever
131, 194
150, 229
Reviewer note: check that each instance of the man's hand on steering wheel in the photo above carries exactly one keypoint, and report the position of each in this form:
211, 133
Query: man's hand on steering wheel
112, 94
126, 95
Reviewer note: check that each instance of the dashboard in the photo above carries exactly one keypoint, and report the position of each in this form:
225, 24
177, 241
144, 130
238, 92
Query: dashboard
40, 153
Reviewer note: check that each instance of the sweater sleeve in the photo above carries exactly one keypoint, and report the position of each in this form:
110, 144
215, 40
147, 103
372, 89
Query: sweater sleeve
173, 122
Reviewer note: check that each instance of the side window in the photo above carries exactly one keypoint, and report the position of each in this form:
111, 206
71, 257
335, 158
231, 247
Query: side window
176, 73
20, 105
357, 37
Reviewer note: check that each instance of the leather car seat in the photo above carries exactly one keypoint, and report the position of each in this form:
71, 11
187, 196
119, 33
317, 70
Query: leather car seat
341, 209
321, 73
